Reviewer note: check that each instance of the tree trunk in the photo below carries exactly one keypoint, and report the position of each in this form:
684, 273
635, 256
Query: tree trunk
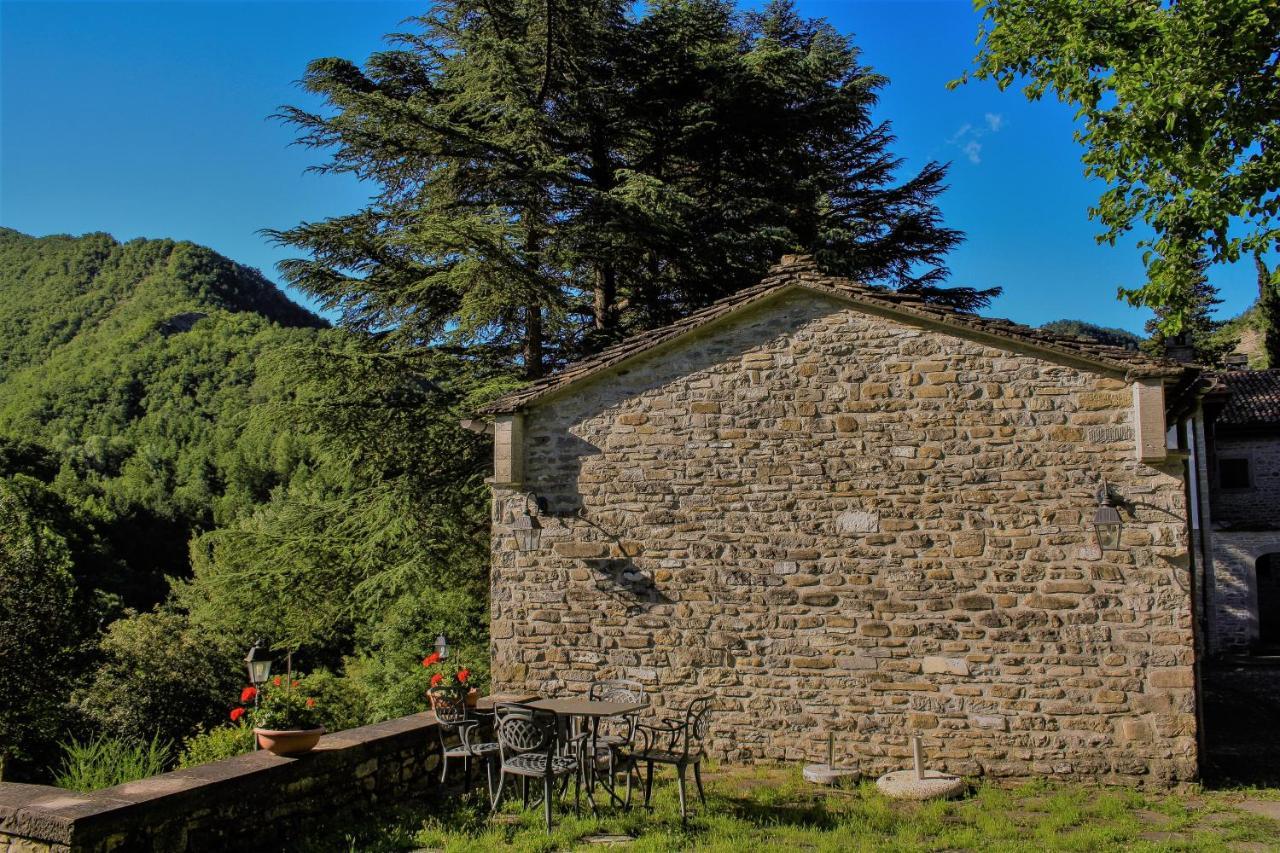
606, 277
532, 341
606, 296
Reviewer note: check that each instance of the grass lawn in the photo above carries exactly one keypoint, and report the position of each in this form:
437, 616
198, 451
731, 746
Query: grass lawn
772, 808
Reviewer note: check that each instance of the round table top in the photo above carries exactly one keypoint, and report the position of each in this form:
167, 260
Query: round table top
577, 707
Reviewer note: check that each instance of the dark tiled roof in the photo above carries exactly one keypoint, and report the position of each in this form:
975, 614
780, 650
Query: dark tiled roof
802, 271
1253, 397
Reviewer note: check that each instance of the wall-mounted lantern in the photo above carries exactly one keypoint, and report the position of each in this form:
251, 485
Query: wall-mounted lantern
525, 524
1106, 520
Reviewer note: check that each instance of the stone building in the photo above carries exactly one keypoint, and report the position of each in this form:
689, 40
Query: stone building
839, 509
1236, 456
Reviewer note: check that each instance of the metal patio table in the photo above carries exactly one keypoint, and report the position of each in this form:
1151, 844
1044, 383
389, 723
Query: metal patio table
595, 711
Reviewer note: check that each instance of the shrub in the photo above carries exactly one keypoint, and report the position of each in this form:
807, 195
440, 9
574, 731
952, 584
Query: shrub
216, 744
341, 702
105, 761
161, 675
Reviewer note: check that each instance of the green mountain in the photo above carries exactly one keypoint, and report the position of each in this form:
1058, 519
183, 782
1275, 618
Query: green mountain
133, 366
188, 460
1094, 332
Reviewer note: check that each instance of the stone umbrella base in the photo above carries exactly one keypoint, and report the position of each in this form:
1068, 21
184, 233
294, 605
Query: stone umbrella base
928, 785
825, 774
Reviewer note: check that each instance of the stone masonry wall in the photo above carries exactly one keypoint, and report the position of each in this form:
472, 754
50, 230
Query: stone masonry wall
1257, 506
836, 521
1235, 594
256, 801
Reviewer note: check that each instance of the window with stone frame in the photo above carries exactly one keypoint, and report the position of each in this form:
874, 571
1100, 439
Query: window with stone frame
1233, 473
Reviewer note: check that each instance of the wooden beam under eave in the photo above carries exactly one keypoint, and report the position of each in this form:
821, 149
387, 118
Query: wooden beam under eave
1148, 420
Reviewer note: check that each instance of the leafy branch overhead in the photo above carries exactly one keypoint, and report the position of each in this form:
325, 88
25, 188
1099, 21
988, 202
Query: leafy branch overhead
549, 176
1179, 104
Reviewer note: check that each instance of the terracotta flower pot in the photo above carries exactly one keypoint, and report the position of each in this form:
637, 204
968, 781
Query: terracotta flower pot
289, 741
473, 696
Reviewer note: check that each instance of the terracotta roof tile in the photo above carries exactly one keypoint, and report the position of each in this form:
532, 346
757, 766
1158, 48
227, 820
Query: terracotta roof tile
802, 271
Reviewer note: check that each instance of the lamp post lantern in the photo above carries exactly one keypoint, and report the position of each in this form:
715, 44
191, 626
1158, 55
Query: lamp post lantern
258, 664
442, 647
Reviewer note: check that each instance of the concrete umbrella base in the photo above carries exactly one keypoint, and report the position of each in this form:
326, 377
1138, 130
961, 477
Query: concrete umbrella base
918, 783
825, 774
929, 785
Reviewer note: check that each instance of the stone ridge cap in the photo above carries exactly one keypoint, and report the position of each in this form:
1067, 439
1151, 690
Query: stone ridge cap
802, 271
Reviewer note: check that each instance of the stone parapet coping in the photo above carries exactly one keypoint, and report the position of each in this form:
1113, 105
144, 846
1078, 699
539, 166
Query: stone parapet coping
220, 799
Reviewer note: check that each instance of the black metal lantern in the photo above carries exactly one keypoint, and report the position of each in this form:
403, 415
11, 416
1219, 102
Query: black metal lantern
258, 663
1106, 520
442, 647
526, 527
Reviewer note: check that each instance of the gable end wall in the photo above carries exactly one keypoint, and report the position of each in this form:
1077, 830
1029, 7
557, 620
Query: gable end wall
838, 522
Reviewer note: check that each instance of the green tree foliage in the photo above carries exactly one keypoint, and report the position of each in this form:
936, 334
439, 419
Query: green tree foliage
162, 677
1180, 103
1092, 331
386, 545
126, 371
1206, 336
551, 175
37, 629
1268, 310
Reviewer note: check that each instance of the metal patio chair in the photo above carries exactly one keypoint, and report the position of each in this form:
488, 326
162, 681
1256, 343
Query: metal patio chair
616, 735
531, 747
453, 717
678, 741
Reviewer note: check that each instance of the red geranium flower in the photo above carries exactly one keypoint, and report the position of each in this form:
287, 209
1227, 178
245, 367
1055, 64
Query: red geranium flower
294, 683
431, 659
436, 679
276, 681
248, 693
311, 703
463, 675
236, 714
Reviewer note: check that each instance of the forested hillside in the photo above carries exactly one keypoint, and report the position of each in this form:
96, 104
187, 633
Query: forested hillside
188, 461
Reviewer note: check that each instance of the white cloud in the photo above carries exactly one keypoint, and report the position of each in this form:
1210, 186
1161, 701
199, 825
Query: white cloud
968, 138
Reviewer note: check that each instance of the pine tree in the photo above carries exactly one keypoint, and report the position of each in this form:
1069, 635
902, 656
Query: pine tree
555, 174
1195, 301
1269, 308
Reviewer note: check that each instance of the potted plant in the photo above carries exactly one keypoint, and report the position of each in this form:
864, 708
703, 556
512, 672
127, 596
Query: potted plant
285, 720
451, 677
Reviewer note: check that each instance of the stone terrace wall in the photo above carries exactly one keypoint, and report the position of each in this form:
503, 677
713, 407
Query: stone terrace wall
835, 521
256, 801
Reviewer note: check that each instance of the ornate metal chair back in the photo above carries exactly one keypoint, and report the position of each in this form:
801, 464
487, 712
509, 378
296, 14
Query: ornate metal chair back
450, 708
522, 729
616, 690
697, 724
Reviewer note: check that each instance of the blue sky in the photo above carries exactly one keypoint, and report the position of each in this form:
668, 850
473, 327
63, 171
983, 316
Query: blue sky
151, 120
